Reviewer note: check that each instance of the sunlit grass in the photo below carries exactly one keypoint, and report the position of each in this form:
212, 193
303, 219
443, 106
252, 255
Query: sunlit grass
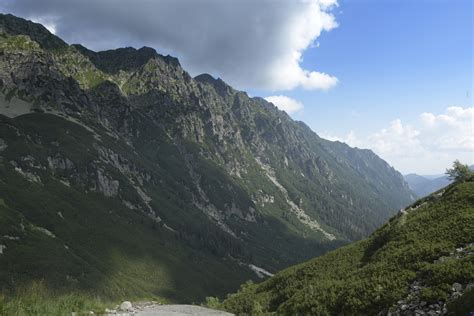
36, 299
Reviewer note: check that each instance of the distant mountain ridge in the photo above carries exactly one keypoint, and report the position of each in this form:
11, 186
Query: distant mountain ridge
423, 185
120, 173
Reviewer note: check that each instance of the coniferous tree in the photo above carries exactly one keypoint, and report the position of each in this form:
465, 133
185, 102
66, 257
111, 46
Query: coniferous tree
459, 171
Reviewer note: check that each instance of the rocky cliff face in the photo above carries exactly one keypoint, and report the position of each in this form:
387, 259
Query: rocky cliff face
222, 172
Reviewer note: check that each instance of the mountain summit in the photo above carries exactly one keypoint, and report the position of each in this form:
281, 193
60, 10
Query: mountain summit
120, 173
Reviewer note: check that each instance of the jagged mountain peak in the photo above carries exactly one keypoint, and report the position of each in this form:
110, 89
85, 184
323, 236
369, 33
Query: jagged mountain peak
126, 59
219, 85
13, 25
207, 78
264, 103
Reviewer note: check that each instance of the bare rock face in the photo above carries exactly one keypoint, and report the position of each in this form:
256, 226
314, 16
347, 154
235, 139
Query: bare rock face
3, 145
108, 186
58, 162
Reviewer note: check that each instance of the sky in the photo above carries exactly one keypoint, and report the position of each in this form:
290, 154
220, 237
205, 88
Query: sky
394, 76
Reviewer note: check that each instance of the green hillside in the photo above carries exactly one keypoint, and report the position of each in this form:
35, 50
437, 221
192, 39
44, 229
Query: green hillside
425, 251
73, 240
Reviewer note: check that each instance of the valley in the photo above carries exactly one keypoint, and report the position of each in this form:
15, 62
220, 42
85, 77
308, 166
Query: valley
124, 178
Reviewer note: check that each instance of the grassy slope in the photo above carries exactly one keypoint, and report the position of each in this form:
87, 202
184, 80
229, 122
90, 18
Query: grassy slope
100, 246
370, 275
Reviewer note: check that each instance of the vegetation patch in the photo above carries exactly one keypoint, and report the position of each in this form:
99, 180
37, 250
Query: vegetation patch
369, 276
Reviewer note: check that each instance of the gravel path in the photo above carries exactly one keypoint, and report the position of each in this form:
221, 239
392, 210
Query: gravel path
180, 310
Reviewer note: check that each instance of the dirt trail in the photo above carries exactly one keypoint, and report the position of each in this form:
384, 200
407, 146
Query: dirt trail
180, 310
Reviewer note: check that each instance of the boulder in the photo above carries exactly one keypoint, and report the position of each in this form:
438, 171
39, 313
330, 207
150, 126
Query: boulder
457, 287
126, 306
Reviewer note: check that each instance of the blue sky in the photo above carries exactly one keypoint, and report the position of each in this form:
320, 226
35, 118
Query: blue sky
393, 60
395, 76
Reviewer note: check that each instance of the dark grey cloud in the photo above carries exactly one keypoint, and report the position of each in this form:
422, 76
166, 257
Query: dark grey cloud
250, 44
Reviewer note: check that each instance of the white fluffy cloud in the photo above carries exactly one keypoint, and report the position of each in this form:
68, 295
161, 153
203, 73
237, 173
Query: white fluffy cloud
350, 139
285, 103
430, 146
453, 130
250, 44
396, 140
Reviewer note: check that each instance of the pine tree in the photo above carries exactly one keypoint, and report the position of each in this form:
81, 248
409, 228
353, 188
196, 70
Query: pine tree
459, 172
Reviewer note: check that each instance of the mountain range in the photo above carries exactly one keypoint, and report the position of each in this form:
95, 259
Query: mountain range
427, 184
424, 185
121, 174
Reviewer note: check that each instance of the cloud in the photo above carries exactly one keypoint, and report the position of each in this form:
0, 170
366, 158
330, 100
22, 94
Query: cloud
285, 103
250, 44
429, 146
453, 130
350, 139
47, 23
396, 140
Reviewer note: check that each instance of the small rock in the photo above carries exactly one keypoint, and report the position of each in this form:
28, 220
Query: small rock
3, 145
11, 237
126, 306
423, 303
457, 287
